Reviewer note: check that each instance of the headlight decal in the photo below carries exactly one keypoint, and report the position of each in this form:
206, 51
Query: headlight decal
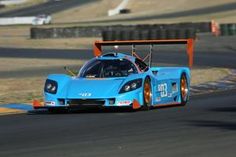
131, 85
50, 86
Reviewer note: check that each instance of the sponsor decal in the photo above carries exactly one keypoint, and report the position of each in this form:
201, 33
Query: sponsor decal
85, 94
124, 103
158, 99
174, 88
50, 103
162, 88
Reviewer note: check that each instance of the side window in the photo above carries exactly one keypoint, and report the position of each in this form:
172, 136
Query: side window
141, 65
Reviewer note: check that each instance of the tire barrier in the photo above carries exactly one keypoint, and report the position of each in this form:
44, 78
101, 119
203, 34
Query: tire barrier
149, 34
201, 27
68, 32
228, 29
160, 31
2, 6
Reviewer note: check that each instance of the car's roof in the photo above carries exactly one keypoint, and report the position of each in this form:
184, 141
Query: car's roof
113, 55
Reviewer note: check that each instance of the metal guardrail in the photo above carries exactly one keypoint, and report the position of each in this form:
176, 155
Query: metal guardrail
16, 20
12, 2
31, 20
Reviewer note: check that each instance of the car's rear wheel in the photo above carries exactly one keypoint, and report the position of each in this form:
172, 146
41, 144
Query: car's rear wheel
184, 89
147, 94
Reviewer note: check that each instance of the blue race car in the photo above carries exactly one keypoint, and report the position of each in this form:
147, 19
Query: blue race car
118, 80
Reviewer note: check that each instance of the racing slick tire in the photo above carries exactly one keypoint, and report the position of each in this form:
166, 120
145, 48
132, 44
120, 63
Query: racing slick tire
57, 110
184, 89
147, 94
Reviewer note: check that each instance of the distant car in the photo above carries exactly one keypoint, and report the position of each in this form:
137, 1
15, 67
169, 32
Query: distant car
42, 20
118, 80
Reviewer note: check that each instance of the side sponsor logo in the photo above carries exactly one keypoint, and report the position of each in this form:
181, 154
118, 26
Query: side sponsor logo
162, 88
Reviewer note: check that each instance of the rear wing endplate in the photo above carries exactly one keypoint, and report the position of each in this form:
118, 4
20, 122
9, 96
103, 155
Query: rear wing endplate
189, 46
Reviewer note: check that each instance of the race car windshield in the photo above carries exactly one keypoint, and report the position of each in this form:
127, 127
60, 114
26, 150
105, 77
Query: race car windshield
108, 68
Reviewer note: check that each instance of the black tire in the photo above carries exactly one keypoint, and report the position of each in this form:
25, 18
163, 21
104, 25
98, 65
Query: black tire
145, 35
107, 35
56, 110
180, 34
136, 35
184, 89
33, 33
163, 34
147, 94
191, 33
117, 35
232, 29
126, 35
171, 34
204, 27
154, 34
224, 29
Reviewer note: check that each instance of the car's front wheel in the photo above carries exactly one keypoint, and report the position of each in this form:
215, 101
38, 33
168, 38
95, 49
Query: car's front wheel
147, 94
56, 110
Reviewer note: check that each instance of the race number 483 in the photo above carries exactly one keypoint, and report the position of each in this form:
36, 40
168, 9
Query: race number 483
162, 88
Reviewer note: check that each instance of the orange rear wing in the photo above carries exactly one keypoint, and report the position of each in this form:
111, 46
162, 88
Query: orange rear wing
189, 46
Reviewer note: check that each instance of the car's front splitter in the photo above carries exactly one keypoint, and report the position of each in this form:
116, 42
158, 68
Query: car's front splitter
130, 99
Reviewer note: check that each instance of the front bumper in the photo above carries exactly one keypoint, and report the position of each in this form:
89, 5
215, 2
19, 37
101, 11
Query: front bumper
120, 100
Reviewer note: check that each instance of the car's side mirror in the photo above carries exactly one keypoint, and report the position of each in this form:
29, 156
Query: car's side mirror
71, 72
155, 72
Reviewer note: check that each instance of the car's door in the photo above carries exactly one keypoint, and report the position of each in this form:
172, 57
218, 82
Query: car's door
162, 88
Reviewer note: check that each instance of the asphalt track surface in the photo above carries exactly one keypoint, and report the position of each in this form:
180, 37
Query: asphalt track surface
209, 51
48, 8
204, 58
201, 59
205, 127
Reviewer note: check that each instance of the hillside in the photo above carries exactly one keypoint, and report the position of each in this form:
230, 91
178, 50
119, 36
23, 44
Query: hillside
152, 11
93, 10
20, 6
